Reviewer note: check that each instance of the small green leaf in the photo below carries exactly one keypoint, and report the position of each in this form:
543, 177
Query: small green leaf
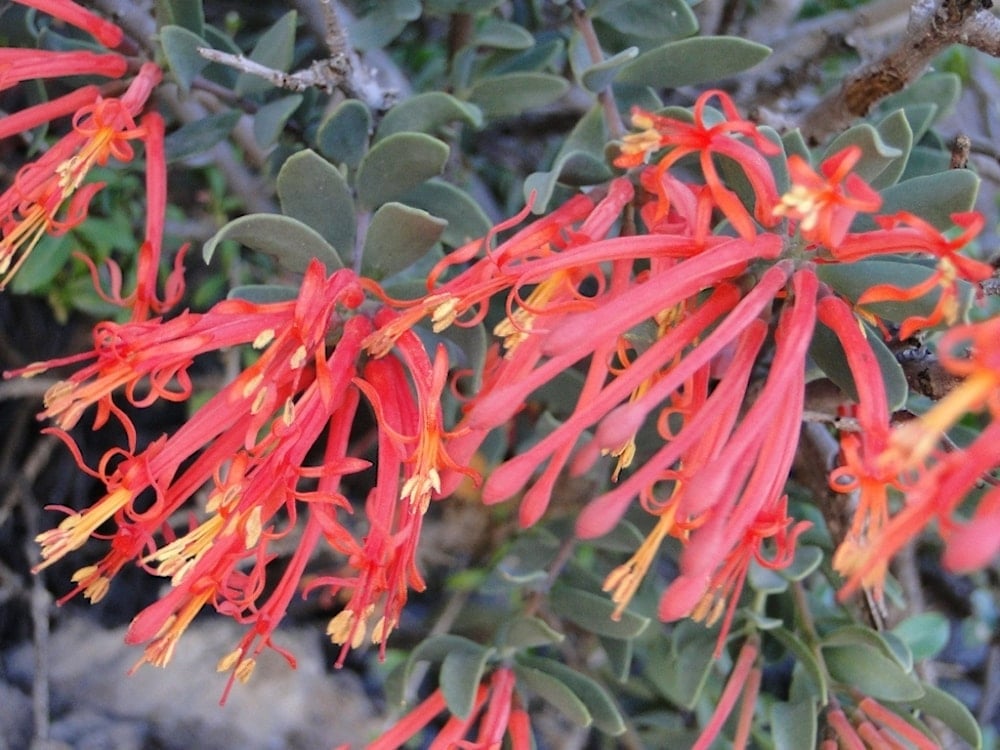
290, 241
274, 49
793, 725
679, 668
599, 76
313, 191
188, 14
806, 659
866, 669
599, 703
511, 94
807, 559
398, 237
556, 692
854, 279
574, 168
828, 353
343, 136
263, 294
943, 89
925, 634
764, 580
859, 635
876, 155
691, 61
383, 23
503, 35
180, 47
527, 559
472, 343
199, 136
466, 220
428, 113
948, 709
461, 672
762, 622
934, 198
619, 652
41, 266
396, 165
270, 119
896, 132
651, 19
525, 632
593, 613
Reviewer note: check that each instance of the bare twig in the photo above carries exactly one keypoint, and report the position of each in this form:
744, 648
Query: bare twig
933, 25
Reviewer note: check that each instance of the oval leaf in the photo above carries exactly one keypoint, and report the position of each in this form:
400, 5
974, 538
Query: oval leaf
274, 50
876, 154
343, 136
428, 113
466, 220
461, 672
503, 35
398, 236
199, 136
313, 191
793, 725
939, 704
180, 47
556, 692
934, 198
806, 658
690, 61
602, 708
827, 352
529, 632
925, 634
270, 119
263, 294
593, 613
513, 93
288, 240
650, 19
397, 164
868, 670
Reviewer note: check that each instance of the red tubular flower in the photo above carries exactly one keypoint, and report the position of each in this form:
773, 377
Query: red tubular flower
706, 140
18, 64
49, 196
74, 14
825, 203
743, 682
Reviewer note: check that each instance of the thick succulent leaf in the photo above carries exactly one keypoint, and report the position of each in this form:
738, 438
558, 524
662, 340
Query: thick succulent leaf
602, 708
274, 49
398, 237
460, 675
263, 294
854, 279
868, 670
396, 165
943, 89
826, 351
895, 132
313, 191
691, 61
180, 47
619, 653
805, 657
428, 113
807, 559
659, 19
876, 154
466, 220
572, 168
934, 198
952, 712
925, 634
793, 725
288, 240
555, 692
679, 668
188, 14
343, 136
511, 94
270, 119
593, 612
494, 32
524, 632
383, 23
199, 136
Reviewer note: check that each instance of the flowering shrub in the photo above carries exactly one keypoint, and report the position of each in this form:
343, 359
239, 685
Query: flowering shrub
654, 322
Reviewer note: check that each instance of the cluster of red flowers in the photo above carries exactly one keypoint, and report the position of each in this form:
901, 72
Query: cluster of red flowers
664, 316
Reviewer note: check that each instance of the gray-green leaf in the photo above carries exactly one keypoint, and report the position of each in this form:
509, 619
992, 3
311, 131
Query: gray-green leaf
398, 237
690, 61
288, 240
397, 164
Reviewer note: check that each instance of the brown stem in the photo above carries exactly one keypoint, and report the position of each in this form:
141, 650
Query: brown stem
612, 118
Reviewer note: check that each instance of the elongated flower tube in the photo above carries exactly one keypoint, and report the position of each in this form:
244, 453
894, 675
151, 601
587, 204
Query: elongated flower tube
104, 31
